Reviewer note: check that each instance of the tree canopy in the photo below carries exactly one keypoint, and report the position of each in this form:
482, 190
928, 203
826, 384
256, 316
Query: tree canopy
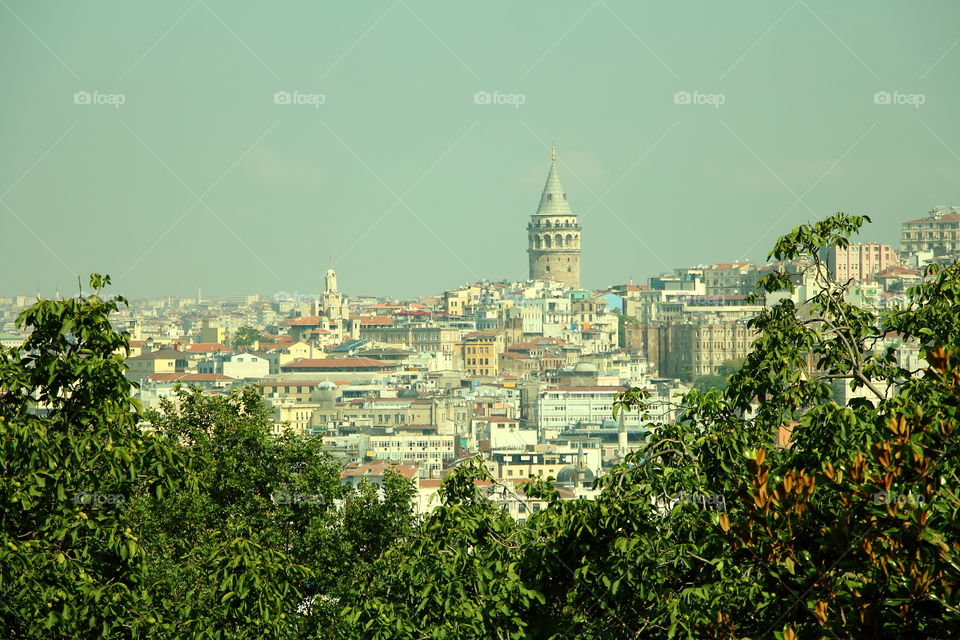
768, 509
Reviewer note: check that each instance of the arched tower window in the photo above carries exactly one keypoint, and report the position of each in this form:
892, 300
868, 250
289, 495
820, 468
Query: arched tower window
538, 242
569, 241
547, 224
547, 242
559, 240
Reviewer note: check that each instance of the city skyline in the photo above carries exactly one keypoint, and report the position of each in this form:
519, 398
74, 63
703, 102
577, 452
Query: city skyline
200, 145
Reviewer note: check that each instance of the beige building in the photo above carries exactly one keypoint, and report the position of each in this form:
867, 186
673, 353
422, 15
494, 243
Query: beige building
419, 338
698, 349
481, 353
161, 361
212, 333
858, 261
728, 279
939, 232
457, 300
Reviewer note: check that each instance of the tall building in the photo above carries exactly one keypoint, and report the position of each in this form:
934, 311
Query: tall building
858, 261
553, 235
939, 232
332, 304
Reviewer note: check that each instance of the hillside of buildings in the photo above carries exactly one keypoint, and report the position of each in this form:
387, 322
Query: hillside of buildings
499, 460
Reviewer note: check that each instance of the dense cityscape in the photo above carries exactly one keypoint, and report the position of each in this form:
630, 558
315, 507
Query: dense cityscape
523, 373
408, 320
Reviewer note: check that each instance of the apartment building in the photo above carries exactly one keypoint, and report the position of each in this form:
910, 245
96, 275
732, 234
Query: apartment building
859, 261
938, 232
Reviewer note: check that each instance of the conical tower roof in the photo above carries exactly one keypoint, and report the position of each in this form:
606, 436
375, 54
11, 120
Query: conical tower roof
553, 201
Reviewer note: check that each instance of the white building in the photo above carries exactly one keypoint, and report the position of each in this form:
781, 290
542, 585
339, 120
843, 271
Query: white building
427, 451
559, 407
238, 365
504, 433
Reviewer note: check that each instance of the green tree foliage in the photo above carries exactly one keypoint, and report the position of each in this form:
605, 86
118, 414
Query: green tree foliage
194, 521
712, 529
246, 337
718, 381
71, 455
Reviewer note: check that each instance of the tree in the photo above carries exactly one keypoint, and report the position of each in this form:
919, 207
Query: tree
71, 455
194, 521
246, 337
718, 381
713, 529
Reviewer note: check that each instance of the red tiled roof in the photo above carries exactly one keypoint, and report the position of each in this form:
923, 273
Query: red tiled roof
373, 320
161, 354
337, 363
208, 347
304, 321
384, 306
896, 270
188, 377
377, 468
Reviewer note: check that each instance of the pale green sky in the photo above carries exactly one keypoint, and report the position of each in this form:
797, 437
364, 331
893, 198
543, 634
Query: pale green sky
410, 185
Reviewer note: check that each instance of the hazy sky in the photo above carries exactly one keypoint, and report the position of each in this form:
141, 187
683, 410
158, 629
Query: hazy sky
179, 169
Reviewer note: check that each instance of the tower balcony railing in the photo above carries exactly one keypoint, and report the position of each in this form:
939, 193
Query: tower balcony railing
566, 226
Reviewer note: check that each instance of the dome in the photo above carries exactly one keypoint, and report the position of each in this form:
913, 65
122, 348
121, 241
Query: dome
571, 473
326, 391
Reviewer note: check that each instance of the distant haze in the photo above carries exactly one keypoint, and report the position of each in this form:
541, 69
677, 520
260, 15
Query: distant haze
247, 147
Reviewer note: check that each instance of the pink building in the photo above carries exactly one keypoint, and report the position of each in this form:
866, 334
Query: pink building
858, 261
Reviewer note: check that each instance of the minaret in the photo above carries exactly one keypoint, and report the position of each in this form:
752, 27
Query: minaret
334, 304
553, 235
622, 438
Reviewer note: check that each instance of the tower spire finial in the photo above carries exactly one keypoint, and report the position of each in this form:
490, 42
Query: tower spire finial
553, 153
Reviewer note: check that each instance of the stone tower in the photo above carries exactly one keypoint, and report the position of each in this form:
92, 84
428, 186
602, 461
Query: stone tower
553, 235
332, 304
